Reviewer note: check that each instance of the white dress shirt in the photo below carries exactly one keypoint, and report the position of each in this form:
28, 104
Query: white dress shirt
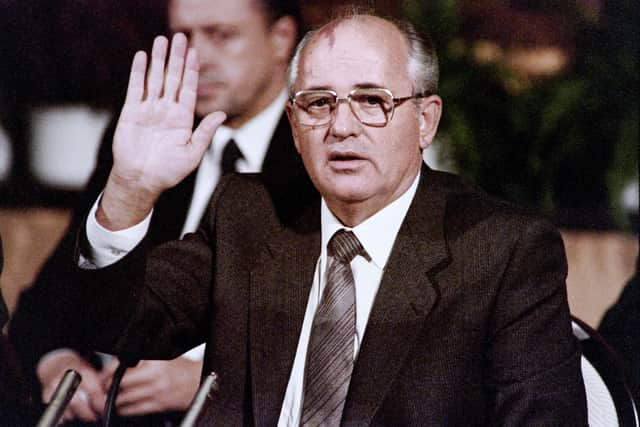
377, 235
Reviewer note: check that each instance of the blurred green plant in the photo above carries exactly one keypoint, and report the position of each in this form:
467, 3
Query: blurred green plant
566, 145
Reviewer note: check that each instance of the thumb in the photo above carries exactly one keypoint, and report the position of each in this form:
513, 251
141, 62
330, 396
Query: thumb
203, 134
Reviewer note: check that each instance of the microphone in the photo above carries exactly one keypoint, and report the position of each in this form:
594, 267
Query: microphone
125, 363
61, 397
209, 384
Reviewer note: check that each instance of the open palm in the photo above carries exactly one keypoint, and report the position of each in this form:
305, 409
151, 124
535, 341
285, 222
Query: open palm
154, 147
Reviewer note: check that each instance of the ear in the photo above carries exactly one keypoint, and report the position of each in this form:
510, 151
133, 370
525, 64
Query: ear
294, 130
429, 116
283, 37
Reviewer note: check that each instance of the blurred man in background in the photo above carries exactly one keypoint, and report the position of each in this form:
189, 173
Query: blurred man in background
244, 47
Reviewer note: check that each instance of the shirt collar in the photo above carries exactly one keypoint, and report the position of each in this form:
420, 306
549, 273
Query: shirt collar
378, 232
254, 136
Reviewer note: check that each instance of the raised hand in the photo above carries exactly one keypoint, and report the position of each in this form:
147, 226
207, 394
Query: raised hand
154, 147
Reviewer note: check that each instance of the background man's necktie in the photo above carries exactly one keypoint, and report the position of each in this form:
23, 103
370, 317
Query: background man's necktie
331, 345
230, 156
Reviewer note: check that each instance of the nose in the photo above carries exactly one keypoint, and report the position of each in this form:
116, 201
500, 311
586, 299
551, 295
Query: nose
345, 123
206, 50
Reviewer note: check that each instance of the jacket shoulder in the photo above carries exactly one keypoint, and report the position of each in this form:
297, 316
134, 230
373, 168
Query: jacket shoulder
470, 207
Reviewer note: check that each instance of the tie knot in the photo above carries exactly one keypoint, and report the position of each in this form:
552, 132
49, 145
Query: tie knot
230, 155
344, 246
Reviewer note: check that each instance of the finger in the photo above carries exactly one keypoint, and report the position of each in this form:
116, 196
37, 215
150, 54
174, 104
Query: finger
106, 375
203, 134
175, 67
47, 394
135, 377
189, 89
97, 401
80, 407
132, 395
156, 70
93, 392
139, 408
135, 90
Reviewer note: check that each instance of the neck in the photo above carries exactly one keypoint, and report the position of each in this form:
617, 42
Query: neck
352, 213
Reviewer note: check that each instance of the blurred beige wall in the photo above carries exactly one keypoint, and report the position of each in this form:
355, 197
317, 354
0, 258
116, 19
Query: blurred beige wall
29, 235
600, 264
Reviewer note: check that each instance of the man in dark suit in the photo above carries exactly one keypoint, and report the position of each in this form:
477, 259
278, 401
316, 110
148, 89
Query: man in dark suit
244, 47
400, 297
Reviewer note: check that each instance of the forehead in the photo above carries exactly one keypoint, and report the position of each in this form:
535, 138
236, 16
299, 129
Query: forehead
192, 13
363, 52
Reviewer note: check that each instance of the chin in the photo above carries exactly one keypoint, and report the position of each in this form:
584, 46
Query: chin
206, 106
350, 193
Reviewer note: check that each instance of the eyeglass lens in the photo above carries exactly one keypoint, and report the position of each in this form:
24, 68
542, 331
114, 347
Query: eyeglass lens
370, 106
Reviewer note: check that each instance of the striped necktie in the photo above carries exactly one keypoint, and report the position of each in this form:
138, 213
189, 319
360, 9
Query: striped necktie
331, 344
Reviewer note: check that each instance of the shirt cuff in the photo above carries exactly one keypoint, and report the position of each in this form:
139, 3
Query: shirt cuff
106, 247
195, 354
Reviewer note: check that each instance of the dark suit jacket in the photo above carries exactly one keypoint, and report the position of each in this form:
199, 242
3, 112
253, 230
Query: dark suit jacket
470, 325
41, 321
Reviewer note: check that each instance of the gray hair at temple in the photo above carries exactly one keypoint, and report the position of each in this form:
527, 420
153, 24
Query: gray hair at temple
422, 66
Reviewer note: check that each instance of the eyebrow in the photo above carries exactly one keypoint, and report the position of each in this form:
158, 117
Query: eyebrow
211, 27
357, 86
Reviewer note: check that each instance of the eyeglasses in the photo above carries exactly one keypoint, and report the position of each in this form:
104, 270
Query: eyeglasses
372, 106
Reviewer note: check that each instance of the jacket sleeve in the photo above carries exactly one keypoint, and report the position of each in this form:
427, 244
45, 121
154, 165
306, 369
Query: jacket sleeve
534, 359
154, 302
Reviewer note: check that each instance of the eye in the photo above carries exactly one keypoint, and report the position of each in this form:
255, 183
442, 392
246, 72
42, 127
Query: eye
373, 100
318, 103
369, 100
315, 102
220, 34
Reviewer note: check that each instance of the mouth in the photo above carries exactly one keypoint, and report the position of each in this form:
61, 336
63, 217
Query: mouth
345, 159
209, 87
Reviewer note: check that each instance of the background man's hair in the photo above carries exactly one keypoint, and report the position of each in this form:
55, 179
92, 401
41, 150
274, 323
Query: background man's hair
422, 66
275, 9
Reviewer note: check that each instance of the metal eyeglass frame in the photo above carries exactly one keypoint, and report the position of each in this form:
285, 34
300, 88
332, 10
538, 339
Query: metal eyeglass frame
338, 99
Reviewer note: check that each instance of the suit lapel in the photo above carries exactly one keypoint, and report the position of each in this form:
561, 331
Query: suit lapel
280, 288
404, 300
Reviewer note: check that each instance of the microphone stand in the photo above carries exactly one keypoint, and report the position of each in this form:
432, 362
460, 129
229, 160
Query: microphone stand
124, 364
61, 398
209, 384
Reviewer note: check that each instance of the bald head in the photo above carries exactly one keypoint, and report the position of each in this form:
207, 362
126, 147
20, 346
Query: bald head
421, 63
359, 137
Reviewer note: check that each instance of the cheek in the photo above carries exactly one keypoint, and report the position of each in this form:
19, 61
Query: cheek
312, 155
253, 57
